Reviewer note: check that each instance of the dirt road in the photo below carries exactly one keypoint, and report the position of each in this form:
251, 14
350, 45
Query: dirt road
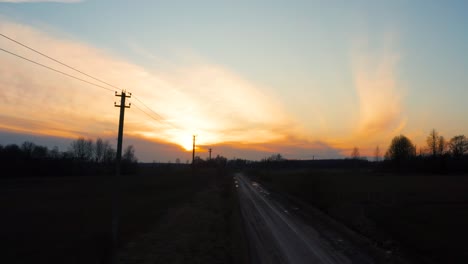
278, 235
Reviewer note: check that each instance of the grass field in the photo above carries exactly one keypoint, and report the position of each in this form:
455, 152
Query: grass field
424, 216
68, 219
206, 229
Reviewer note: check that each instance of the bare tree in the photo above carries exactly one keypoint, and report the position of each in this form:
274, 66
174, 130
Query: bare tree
82, 149
421, 152
129, 154
31, 150
40, 152
431, 141
54, 153
458, 145
28, 148
99, 150
441, 146
103, 151
436, 143
274, 157
355, 153
377, 154
109, 154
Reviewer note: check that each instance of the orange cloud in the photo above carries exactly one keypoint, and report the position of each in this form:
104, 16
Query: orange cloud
380, 95
202, 98
192, 97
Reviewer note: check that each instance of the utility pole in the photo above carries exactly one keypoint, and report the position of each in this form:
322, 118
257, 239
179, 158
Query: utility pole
210, 154
116, 182
193, 151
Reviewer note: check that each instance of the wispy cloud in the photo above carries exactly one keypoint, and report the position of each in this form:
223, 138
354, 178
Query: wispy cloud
379, 93
198, 98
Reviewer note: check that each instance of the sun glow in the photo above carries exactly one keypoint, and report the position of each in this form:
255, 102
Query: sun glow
202, 99
195, 98
182, 139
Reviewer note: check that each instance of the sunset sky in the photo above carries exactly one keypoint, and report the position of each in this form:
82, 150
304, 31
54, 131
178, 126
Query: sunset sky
249, 78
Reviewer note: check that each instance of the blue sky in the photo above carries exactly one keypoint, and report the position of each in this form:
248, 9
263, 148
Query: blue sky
343, 72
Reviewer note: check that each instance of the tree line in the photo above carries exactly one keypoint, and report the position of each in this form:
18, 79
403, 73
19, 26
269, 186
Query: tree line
401, 147
439, 154
83, 157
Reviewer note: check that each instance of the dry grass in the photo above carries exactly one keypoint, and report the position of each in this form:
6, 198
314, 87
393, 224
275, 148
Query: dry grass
204, 230
67, 220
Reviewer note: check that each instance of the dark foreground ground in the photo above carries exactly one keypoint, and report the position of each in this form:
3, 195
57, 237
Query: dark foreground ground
184, 217
421, 217
172, 215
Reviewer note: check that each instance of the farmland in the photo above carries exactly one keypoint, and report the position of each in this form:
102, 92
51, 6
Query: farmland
68, 219
423, 216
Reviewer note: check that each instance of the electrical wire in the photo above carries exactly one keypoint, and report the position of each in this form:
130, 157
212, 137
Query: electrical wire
161, 119
55, 70
152, 117
158, 115
64, 64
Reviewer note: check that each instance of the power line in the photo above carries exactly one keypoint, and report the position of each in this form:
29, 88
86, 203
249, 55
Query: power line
158, 115
64, 64
161, 118
146, 113
52, 69
161, 121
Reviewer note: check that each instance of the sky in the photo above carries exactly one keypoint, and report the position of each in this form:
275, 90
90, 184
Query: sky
249, 78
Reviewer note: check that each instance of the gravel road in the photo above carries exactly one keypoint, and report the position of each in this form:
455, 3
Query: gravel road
278, 235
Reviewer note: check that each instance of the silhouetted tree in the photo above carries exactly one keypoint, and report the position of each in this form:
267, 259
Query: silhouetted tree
442, 146
82, 149
436, 143
432, 142
458, 145
377, 154
33, 160
421, 152
355, 153
103, 151
109, 154
54, 153
27, 148
401, 148
99, 150
67, 155
220, 161
198, 160
274, 157
40, 152
129, 155
12, 151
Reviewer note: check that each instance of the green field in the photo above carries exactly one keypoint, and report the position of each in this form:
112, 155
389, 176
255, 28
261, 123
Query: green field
422, 216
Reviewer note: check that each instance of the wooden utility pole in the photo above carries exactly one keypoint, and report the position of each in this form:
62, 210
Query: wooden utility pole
210, 153
193, 151
116, 182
